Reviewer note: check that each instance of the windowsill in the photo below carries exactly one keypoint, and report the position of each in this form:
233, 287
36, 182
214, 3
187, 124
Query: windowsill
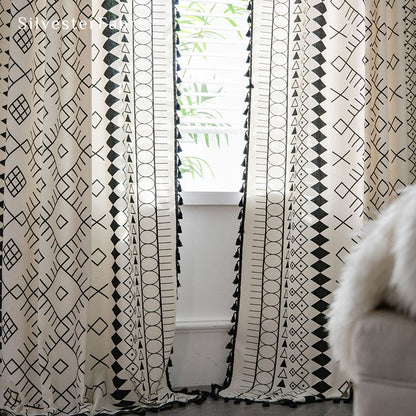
210, 198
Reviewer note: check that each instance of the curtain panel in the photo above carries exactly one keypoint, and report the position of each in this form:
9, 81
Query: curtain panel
89, 205
331, 140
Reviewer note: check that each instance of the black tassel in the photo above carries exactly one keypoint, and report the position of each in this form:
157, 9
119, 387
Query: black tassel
237, 267
237, 253
236, 293
240, 215
179, 187
179, 214
234, 308
178, 242
241, 203
231, 331
238, 241
180, 200
236, 281
178, 228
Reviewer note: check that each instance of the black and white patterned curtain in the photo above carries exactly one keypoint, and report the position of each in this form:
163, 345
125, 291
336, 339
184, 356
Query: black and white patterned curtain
331, 133
89, 194
89, 205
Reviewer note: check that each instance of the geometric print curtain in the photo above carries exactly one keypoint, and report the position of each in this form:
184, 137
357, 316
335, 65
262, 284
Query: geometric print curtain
331, 140
89, 205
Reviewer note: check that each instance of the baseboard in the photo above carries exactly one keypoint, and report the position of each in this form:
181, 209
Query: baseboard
203, 326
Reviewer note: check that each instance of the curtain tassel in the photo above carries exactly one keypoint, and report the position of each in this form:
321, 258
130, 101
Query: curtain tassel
179, 214
240, 214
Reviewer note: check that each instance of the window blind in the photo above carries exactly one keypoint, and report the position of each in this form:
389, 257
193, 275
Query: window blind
213, 54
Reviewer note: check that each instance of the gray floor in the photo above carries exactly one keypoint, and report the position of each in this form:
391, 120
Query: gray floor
219, 407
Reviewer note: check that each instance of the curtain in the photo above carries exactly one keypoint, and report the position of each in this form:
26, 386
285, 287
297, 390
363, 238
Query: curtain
331, 140
89, 205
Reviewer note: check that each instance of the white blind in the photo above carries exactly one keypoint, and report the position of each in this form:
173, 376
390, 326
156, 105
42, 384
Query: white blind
213, 63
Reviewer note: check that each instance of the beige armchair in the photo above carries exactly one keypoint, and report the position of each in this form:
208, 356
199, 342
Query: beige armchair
384, 357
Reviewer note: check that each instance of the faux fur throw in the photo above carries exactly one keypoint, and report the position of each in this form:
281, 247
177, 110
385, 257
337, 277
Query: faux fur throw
381, 269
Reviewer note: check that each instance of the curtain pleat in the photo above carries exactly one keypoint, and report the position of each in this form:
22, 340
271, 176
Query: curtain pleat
331, 142
89, 198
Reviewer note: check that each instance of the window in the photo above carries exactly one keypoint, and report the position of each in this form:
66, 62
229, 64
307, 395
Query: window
213, 62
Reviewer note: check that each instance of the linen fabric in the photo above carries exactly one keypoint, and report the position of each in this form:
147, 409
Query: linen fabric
330, 142
89, 242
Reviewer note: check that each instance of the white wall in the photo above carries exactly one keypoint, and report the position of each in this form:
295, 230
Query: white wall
205, 296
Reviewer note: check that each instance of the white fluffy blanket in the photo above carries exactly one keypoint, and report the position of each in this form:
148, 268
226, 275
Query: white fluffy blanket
381, 268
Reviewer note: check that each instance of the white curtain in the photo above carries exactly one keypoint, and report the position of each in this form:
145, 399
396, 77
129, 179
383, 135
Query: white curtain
331, 141
89, 242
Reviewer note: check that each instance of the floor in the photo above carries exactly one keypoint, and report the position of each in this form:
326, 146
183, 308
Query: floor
219, 407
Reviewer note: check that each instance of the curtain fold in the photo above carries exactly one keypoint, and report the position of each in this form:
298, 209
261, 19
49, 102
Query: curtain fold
330, 143
89, 212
